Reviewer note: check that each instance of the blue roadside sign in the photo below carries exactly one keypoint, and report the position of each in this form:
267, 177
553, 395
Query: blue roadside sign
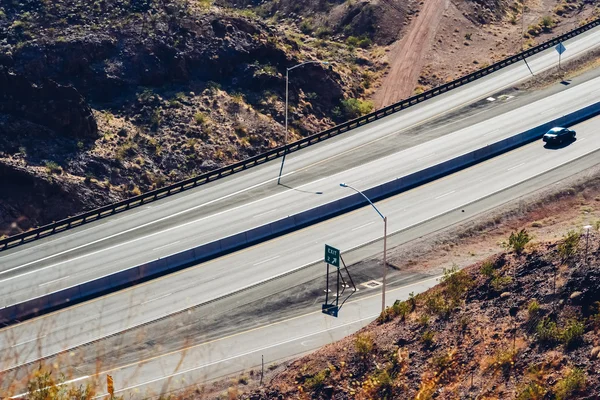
560, 48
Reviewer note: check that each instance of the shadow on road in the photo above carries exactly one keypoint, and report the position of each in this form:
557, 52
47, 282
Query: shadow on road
557, 146
298, 190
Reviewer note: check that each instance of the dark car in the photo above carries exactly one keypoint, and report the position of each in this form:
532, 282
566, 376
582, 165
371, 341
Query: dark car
558, 135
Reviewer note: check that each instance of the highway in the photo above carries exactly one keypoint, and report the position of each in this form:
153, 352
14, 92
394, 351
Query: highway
73, 327
251, 199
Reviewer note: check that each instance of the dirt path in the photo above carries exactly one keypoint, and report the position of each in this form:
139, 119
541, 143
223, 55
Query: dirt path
407, 55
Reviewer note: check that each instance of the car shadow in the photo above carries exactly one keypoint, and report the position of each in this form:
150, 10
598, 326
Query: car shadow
558, 146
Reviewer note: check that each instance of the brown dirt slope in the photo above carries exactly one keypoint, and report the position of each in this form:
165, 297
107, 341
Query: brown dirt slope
519, 325
407, 56
472, 34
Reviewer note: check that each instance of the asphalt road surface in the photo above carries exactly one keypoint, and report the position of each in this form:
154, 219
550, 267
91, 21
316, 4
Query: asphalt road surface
252, 199
71, 328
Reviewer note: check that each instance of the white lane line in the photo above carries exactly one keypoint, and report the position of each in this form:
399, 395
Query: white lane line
516, 166
51, 282
156, 298
265, 213
362, 226
166, 245
445, 194
267, 260
28, 341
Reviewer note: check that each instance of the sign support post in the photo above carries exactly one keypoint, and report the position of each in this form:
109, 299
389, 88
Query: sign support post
333, 257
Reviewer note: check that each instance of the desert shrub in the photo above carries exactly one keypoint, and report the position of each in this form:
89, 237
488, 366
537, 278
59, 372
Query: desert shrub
568, 246
352, 41
379, 385
240, 129
518, 240
363, 344
156, 118
505, 358
364, 42
402, 308
499, 283
385, 316
547, 23
213, 86
435, 303
463, 322
427, 338
53, 168
317, 381
322, 32
468, 36
412, 300
533, 309
546, 331
200, 118
441, 361
127, 149
173, 103
423, 320
594, 318
572, 334
354, 108
306, 26
532, 391
456, 283
573, 382
487, 269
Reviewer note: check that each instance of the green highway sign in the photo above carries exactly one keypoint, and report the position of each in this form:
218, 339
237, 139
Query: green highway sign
332, 256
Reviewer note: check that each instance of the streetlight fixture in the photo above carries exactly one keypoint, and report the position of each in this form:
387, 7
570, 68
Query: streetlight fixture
384, 241
287, 82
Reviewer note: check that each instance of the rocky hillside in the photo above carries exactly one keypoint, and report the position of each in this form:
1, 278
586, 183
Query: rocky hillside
112, 98
380, 21
521, 325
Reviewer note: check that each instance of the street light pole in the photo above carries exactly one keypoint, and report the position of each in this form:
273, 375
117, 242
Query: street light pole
287, 84
384, 242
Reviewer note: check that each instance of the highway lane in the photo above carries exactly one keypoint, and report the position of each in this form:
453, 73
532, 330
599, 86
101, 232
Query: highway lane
243, 351
112, 314
22, 282
241, 189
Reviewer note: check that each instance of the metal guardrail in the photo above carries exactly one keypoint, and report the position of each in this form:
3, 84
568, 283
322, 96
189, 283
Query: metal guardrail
156, 194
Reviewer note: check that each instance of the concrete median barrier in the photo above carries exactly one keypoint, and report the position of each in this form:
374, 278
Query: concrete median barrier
258, 234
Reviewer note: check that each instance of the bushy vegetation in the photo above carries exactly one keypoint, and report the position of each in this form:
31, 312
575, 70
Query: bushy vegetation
354, 108
518, 240
568, 246
363, 344
317, 381
43, 386
570, 384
